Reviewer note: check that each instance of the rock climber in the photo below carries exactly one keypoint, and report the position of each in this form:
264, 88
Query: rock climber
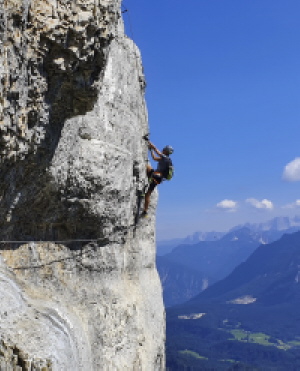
164, 170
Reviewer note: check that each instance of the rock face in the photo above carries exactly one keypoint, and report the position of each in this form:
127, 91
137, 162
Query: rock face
78, 284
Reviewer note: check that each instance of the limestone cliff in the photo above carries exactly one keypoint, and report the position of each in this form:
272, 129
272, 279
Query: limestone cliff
80, 290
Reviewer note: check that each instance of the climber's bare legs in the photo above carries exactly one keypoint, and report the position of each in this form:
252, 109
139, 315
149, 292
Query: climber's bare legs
149, 172
148, 169
147, 200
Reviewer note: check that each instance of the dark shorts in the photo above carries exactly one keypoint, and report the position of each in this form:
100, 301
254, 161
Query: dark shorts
155, 178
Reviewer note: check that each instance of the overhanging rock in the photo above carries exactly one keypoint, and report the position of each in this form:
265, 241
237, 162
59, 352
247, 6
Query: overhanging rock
81, 292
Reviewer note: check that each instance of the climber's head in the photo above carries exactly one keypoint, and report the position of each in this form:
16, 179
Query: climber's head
167, 150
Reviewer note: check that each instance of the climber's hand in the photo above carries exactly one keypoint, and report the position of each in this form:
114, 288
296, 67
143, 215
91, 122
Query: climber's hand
146, 137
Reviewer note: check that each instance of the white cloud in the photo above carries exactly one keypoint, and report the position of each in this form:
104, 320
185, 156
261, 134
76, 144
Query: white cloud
263, 204
293, 205
228, 205
291, 172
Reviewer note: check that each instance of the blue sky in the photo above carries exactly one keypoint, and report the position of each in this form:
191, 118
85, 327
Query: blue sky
223, 88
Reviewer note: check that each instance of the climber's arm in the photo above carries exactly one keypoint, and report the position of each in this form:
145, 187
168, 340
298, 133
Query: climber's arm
154, 149
155, 158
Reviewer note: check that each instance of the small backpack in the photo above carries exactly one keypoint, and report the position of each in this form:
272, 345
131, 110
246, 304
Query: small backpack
169, 172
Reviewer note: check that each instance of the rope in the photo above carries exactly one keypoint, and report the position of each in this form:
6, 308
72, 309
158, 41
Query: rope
60, 241
126, 10
81, 253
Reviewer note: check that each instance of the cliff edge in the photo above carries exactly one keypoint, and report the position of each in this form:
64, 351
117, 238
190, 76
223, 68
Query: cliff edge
79, 288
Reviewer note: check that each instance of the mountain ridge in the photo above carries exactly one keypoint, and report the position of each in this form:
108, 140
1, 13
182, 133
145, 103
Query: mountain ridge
256, 307
213, 260
280, 224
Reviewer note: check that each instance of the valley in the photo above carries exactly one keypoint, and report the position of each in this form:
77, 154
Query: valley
249, 320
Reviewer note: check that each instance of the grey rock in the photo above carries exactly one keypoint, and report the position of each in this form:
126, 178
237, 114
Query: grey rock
81, 292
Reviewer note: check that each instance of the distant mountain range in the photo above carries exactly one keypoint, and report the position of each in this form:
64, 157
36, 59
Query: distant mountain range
282, 223
272, 226
270, 276
165, 247
191, 268
251, 318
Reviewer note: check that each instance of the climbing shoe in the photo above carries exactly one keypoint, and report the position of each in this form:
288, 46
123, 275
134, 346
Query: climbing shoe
144, 214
